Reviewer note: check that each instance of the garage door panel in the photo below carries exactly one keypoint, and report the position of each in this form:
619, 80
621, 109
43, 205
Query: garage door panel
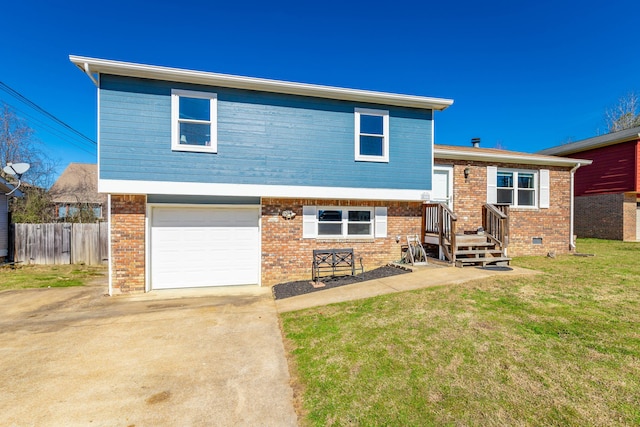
194, 247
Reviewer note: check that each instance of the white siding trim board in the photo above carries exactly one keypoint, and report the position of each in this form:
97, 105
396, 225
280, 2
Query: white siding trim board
109, 251
256, 190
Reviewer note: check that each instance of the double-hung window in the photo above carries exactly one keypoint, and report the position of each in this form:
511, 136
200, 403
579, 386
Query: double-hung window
516, 188
345, 222
193, 121
371, 135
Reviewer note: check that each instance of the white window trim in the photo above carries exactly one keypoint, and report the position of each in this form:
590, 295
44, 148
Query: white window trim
536, 189
385, 135
175, 121
378, 222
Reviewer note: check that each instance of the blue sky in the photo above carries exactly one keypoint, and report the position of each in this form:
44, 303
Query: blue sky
523, 75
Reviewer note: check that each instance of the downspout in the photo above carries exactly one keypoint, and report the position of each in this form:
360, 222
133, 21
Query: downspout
87, 71
572, 245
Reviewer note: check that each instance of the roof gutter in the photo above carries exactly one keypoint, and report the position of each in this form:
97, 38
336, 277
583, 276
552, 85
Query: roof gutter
593, 143
87, 71
103, 66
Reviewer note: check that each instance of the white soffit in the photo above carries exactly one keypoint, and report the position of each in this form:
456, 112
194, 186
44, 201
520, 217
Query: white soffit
92, 66
506, 157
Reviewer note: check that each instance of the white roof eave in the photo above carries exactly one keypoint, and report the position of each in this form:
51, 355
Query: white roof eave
593, 143
92, 66
443, 153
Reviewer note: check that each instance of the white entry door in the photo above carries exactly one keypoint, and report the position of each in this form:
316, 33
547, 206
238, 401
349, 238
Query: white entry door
204, 246
443, 185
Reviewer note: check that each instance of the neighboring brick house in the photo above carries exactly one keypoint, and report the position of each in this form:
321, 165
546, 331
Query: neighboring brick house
75, 193
226, 180
607, 202
537, 188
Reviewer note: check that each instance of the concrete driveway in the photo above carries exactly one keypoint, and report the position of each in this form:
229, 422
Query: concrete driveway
73, 356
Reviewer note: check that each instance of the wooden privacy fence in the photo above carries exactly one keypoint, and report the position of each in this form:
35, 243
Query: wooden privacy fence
61, 243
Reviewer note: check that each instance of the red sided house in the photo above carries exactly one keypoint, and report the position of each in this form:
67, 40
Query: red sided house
607, 197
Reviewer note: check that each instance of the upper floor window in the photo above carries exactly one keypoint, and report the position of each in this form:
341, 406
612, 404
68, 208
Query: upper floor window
193, 121
371, 135
516, 188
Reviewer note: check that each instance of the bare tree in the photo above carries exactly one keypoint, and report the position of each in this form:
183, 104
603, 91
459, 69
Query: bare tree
625, 114
18, 145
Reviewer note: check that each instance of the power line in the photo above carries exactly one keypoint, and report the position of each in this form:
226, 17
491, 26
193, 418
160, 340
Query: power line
36, 123
35, 106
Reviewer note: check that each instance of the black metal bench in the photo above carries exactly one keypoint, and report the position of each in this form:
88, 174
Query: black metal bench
333, 262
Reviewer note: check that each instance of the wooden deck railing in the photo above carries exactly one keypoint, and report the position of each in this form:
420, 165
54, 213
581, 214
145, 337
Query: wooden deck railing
495, 221
438, 219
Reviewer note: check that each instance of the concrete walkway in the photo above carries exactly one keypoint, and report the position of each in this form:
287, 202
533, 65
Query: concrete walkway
422, 277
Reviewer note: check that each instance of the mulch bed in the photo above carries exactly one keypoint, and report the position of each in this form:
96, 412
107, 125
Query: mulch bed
291, 289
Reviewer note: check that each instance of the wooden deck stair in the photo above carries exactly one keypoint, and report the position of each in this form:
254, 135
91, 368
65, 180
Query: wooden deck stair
439, 229
475, 249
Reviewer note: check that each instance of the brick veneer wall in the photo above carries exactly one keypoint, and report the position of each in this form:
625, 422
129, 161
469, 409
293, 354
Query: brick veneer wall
599, 216
127, 243
552, 224
286, 256
629, 217
606, 216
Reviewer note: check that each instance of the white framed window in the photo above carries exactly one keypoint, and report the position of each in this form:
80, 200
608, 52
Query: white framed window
371, 135
517, 188
194, 121
344, 222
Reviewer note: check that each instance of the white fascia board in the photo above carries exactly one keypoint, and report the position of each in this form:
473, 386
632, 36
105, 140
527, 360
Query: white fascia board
113, 186
91, 66
529, 159
595, 142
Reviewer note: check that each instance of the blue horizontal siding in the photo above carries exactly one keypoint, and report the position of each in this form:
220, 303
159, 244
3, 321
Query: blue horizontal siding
263, 138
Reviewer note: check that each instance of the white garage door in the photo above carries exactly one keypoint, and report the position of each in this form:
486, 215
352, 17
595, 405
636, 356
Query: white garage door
204, 246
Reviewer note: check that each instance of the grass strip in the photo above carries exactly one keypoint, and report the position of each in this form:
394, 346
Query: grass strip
550, 349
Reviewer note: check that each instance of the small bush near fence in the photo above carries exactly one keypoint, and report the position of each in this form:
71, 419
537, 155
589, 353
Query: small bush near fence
61, 243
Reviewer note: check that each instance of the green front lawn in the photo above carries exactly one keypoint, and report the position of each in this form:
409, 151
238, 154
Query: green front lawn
561, 348
44, 276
